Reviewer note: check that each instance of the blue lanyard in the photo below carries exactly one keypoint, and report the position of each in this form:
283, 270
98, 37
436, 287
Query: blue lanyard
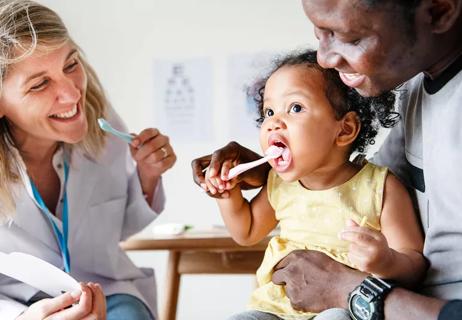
61, 237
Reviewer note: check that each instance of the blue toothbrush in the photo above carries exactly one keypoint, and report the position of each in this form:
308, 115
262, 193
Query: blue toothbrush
104, 125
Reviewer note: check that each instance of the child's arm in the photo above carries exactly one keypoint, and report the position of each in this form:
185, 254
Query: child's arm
396, 252
248, 223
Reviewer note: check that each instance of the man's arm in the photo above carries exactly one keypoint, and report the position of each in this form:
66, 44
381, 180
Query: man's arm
315, 282
404, 304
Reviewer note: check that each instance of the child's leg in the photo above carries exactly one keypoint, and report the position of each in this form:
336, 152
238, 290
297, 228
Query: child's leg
333, 314
254, 315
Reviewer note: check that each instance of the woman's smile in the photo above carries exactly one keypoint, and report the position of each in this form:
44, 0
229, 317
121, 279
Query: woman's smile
69, 115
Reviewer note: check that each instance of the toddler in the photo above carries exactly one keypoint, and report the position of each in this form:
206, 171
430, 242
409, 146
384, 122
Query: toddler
358, 214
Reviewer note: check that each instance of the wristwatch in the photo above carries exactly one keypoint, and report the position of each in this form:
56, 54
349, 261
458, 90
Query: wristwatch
365, 302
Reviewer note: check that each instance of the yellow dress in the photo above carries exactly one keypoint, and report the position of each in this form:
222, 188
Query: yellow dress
312, 219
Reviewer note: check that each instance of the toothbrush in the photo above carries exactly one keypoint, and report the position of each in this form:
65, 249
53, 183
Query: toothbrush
363, 221
272, 152
106, 126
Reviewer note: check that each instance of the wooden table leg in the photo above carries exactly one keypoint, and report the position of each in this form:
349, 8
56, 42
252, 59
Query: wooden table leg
172, 286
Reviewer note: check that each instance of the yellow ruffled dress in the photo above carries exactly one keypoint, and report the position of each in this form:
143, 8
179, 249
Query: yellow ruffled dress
312, 219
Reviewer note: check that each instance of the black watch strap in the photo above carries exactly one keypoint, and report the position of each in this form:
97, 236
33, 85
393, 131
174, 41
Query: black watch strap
372, 292
377, 286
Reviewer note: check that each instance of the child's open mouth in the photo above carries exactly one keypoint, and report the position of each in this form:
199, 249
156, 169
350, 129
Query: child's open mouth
283, 162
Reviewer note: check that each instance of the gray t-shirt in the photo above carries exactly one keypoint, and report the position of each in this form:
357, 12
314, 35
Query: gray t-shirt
425, 151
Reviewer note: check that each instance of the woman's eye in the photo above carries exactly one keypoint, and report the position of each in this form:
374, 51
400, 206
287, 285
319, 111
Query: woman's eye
295, 108
71, 67
39, 86
268, 113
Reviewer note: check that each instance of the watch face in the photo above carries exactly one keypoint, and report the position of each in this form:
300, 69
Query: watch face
360, 308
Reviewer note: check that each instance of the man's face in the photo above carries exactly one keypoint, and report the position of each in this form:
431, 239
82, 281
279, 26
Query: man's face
374, 49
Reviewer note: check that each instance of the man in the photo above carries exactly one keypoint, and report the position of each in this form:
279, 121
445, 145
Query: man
377, 46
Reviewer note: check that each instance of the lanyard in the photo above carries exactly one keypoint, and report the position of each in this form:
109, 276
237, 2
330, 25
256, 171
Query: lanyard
61, 237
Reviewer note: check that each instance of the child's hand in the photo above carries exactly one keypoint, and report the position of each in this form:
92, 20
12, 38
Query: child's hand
233, 153
369, 250
214, 182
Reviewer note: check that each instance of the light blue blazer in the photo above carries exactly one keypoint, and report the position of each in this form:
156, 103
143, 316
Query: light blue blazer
106, 205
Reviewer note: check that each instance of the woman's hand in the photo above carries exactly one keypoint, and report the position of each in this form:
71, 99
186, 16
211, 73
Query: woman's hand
87, 304
220, 162
154, 155
98, 311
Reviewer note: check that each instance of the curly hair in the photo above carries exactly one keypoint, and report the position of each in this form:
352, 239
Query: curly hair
372, 112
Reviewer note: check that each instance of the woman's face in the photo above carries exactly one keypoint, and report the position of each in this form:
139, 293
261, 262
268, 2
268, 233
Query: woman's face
299, 118
43, 97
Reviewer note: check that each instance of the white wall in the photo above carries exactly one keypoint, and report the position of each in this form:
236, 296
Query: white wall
122, 38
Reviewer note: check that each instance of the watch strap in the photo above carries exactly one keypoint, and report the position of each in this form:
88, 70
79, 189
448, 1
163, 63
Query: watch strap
374, 291
379, 287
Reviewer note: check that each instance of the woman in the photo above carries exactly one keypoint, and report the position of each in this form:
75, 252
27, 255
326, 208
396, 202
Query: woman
68, 192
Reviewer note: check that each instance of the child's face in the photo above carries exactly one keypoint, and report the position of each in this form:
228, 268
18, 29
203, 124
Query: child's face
300, 118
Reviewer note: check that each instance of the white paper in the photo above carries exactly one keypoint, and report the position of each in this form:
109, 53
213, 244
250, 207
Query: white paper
37, 273
183, 95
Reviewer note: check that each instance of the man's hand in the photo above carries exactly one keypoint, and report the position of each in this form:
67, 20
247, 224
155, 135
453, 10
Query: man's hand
220, 162
314, 282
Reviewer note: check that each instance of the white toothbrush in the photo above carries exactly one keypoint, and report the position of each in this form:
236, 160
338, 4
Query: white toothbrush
106, 126
272, 152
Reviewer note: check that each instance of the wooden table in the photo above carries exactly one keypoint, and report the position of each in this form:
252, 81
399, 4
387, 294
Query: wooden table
198, 252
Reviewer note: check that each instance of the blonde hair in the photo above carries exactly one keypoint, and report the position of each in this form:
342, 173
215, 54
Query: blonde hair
26, 26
